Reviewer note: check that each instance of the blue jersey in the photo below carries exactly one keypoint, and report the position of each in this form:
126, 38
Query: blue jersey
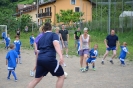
4, 35
17, 44
46, 47
11, 57
93, 53
123, 52
32, 40
7, 39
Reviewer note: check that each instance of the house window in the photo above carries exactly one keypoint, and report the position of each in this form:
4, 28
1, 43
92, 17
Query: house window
73, 2
48, 9
77, 9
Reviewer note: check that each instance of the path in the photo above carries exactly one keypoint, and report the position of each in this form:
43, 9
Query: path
105, 76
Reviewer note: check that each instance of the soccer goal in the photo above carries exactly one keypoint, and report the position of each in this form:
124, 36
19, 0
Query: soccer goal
3, 28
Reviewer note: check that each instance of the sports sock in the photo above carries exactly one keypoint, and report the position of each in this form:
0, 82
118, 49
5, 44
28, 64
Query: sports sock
9, 73
111, 59
14, 74
102, 59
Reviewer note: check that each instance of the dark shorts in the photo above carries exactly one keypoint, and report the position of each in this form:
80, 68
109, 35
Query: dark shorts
111, 48
91, 60
84, 51
52, 66
18, 52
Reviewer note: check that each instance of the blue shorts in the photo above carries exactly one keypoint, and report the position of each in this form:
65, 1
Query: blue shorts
91, 60
111, 48
18, 52
44, 66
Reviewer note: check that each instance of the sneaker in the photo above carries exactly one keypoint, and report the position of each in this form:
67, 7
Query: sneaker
81, 69
94, 69
30, 72
8, 78
102, 62
111, 61
64, 64
67, 55
123, 65
87, 67
16, 80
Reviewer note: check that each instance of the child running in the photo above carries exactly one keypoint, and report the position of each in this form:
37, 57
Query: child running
41, 30
93, 54
12, 60
7, 40
17, 44
32, 39
123, 53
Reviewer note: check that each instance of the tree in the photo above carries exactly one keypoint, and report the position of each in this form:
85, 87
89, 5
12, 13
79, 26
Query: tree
24, 20
67, 16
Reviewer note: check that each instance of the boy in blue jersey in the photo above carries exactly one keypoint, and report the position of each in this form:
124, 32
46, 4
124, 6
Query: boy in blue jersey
32, 38
11, 61
17, 44
93, 54
7, 40
3, 35
123, 53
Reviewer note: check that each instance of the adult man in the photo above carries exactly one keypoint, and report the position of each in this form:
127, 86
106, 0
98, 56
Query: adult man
111, 43
65, 37
76, 36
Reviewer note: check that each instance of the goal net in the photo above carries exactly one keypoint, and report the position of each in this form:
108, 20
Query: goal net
3, 28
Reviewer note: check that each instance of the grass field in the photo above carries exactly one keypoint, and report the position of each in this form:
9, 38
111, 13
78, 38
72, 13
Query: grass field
96, 38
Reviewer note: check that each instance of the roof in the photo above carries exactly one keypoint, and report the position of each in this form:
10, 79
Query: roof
47, 2
51, 1
21, 6
126, 14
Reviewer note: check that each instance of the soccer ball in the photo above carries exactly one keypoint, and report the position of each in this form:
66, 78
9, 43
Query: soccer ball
65, 75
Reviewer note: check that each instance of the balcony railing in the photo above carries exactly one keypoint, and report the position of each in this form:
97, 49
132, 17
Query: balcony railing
44, 14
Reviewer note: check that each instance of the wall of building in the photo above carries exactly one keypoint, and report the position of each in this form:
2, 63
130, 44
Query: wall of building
32, 14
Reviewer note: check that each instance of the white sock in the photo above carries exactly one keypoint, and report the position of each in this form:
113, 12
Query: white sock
111, 59
102, 59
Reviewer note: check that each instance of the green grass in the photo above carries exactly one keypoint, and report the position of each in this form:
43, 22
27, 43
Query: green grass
96, 38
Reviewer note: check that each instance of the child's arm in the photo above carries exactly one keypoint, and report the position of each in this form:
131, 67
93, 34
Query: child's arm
62, 40
6, 61
17, 60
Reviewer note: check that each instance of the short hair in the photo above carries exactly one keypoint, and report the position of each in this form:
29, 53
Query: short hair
57, 28
85, 29
16, 36
47, 26
11, 46
41, 29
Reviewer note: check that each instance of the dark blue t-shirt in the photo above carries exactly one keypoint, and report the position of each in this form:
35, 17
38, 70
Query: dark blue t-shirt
111, 40
46, 47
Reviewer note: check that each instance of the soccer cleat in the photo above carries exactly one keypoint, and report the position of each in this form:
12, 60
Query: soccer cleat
102, 62
67, 55
94, 69
111, 61
87, 67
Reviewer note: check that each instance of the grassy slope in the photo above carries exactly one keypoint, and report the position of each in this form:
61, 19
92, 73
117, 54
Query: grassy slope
96, 38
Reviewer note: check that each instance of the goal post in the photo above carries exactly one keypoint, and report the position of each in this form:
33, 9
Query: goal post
3, 28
